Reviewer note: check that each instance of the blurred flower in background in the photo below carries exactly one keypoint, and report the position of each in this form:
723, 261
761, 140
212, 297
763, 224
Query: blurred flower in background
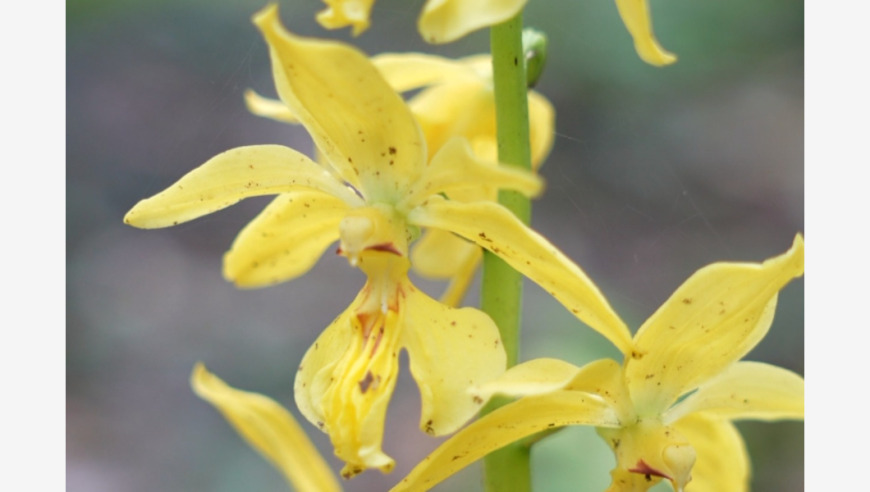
654, 172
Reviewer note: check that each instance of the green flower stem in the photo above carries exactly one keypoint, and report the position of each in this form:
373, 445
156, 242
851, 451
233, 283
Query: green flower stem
508, 468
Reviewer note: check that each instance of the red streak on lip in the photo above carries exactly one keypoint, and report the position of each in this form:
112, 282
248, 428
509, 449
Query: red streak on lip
643, 468
385, 247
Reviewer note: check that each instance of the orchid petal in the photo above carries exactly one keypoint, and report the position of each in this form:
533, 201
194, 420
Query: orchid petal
467, 108
342, 13
443, 21
503, 426
461, 280
229, 177
270, 429
635, 14
493, 227
407, 71
268, 108
602, 377
460, 108
542, 124
746, 390
717, 316
346, 380
535, 377
455, 168
449, 350
285, 240
360, 124
439, 254
315, 373
722, 463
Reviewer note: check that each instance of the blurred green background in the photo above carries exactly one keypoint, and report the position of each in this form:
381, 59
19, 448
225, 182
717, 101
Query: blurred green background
654, 173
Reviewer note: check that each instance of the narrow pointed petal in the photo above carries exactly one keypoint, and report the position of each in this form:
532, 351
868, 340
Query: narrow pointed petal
715, 318
355, 118
229, 177
455, 168
635, 14
493, 227
746, 390
268, 108
509, 423
722, 463
449, 351
342, 13
443, 21
285, 240
407, 71
270, 429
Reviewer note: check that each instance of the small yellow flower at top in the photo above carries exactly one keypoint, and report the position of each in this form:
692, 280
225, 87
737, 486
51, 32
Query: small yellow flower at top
375, 191
667, 410
456, 100
441, 21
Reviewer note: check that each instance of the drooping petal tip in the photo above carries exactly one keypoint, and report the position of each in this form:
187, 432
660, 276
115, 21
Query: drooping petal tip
270, 429
636, 16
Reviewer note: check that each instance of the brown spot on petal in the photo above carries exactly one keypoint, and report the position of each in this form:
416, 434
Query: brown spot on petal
385, 247
646, 470
366, 382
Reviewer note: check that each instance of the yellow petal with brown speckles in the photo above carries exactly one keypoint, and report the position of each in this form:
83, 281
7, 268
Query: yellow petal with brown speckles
717, 316
509, 423
357, 121
285, 240
495, 228
449, 350
746, 390
229, 177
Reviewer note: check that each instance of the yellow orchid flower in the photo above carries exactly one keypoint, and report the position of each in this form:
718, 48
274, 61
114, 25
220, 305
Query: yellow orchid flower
636, 17
270, 429
456, 100
441, 21
377, 190
667, 411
